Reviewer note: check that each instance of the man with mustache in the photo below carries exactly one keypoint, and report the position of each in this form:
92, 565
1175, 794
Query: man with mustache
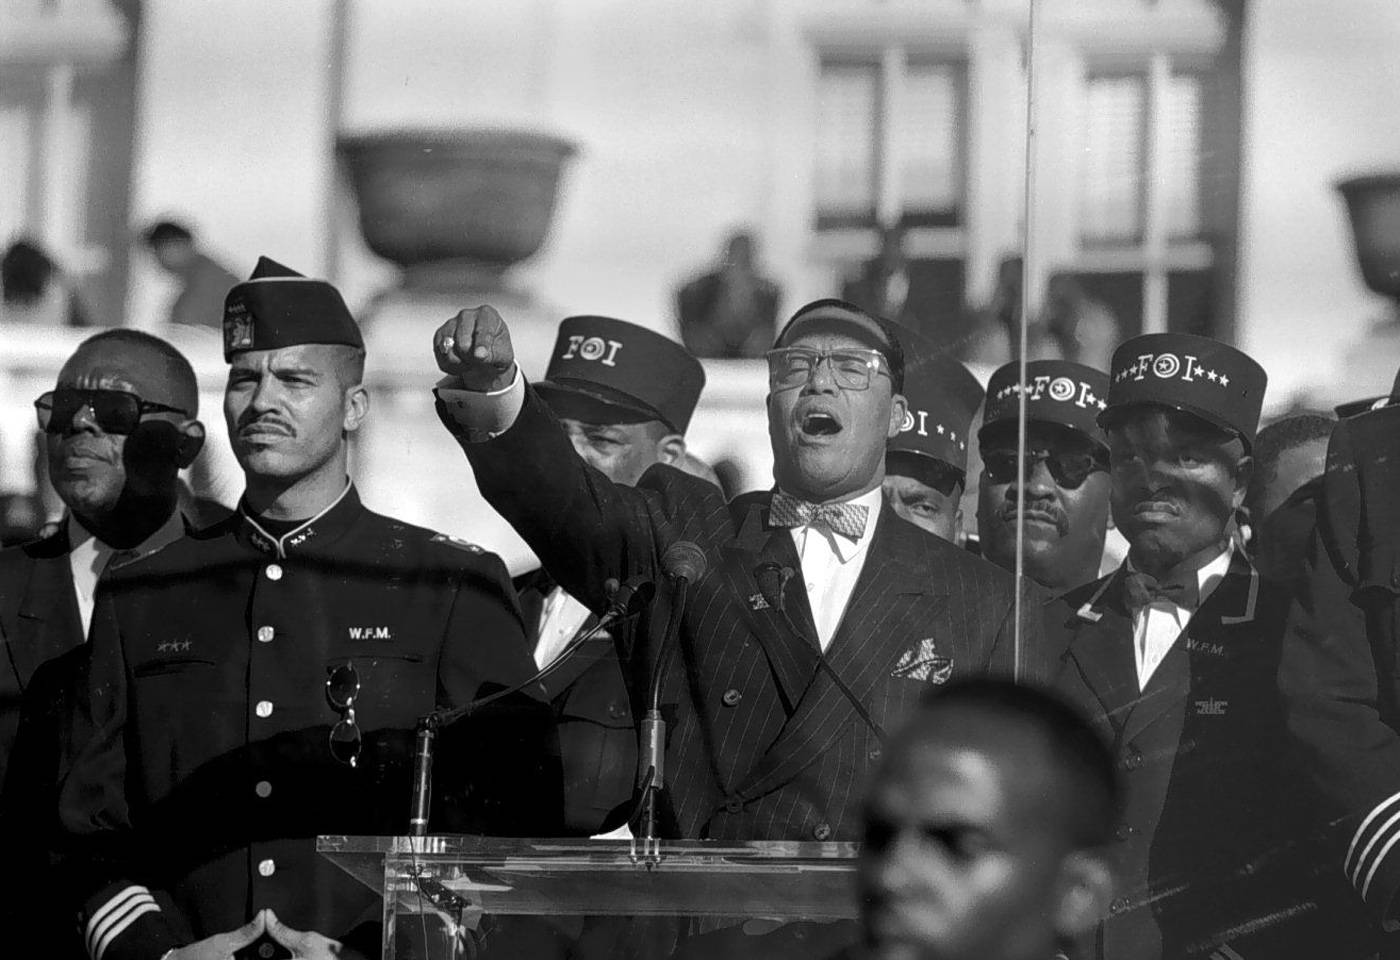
258, 683
766, 743
118, 426
1175, 655
926, 462
1066, 487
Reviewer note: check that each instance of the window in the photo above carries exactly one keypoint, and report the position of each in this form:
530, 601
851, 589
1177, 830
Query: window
889, 138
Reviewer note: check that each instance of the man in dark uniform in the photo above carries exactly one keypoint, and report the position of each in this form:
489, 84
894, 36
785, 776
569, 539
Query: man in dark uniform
257, 684
926, 462
118, 426
1339, 675
1175, 654
1067, 485
821, 615
622, 417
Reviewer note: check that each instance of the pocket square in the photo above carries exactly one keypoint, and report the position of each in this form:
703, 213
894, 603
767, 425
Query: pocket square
924, 663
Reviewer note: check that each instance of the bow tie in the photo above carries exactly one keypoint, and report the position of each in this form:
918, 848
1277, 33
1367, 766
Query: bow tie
847, 519
1143, 589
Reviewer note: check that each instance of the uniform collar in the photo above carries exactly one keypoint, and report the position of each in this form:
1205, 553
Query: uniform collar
327, 525
82, 540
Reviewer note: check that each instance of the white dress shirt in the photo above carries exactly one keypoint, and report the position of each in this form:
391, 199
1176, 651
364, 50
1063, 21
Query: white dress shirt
831, 564
1157, 626
89, 556
561, 618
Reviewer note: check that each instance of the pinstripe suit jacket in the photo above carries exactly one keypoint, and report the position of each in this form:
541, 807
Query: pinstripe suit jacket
762, 744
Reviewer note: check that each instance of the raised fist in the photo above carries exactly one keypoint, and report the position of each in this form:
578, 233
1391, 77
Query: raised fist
475, 347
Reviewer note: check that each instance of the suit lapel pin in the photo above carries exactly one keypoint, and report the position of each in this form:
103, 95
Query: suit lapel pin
758, 602
1087, 612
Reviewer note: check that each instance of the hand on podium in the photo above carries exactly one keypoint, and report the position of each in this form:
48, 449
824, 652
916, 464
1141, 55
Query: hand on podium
475, 347
221, 946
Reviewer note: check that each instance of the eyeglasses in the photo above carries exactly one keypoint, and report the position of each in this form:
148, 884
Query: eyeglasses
1068, 470
116, 411
790, 367
342, 687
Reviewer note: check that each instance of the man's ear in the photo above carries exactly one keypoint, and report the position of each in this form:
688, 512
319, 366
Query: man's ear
356, 408
1244, 473
899, 409
1085, 891
670, 449
191, 442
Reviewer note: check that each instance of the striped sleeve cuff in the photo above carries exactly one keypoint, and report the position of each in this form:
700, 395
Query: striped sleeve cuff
1370, 864
116, 916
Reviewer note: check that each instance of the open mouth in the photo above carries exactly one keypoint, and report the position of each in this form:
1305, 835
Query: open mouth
820, 424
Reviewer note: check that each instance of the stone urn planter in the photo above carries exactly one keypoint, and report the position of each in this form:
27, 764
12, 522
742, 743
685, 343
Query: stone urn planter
1374, 205
437, 202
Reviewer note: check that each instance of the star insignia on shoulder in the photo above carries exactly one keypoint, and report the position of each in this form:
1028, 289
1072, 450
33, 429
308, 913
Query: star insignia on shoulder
457, 542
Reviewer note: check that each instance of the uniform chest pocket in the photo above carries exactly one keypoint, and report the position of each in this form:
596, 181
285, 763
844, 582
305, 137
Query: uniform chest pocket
174, 665
386, 688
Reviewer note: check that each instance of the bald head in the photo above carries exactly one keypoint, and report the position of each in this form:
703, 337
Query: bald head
137, 362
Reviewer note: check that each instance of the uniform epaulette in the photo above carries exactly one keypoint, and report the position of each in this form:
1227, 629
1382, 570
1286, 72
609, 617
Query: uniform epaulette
457, 542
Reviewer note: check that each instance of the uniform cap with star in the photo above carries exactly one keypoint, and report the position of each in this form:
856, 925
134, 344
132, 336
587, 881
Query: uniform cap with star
1057, 391
1198, 375
277, 307
610, 371
942, 396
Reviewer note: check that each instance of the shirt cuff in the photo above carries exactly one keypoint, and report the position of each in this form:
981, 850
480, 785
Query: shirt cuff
481, 415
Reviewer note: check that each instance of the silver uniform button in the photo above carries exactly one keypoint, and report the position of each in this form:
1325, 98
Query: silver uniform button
265, 634
266, 868
263, 789
264, 708
274, 571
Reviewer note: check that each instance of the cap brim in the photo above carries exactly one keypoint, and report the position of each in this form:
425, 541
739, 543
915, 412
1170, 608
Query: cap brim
1106, 418
593, 403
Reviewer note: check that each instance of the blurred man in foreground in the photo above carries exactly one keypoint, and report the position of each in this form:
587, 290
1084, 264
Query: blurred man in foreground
1067, 484
624, 409
987, 829
926, 462
257, 684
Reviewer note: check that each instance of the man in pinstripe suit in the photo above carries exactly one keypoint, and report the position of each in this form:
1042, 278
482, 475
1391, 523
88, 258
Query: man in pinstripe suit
765, 742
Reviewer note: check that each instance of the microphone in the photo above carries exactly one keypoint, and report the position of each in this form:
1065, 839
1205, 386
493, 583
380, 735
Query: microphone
626, 599
683, 563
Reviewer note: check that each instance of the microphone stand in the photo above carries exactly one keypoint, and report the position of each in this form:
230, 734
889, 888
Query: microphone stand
654, 732
634, 593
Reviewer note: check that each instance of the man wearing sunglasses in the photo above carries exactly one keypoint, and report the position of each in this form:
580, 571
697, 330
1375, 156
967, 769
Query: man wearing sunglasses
1066, 490
118, 427
926, 462
1175, 654
765, 744
257, 684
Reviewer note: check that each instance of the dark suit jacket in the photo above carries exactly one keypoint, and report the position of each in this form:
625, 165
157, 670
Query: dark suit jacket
593, 717
762, 744
1212, 834
39, 620
1340, 673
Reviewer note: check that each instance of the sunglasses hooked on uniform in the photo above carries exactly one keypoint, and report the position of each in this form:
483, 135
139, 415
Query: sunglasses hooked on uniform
342, 687
1068, 470
115, 411
852, 369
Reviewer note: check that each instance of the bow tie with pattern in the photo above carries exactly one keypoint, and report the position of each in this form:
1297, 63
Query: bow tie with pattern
847, 519
1143, 589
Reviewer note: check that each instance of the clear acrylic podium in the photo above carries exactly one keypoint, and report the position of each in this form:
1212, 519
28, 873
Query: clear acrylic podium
462, 879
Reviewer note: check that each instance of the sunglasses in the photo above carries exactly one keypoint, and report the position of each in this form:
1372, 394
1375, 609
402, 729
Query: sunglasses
115, 411
342, 687
1068, 470
790, 367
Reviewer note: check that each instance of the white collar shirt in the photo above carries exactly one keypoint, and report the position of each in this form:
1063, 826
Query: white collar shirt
831, 564
88, 557
1158, 625
561, 618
